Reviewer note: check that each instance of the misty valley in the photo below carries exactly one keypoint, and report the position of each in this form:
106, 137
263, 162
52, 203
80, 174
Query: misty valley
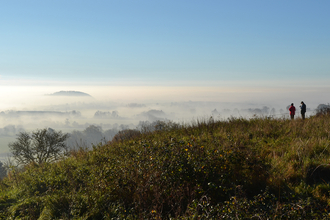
90, 122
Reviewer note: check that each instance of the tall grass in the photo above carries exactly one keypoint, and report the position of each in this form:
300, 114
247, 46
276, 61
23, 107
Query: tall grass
239, 168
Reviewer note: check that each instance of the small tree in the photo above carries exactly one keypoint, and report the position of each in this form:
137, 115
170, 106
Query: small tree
42, 146
3, 171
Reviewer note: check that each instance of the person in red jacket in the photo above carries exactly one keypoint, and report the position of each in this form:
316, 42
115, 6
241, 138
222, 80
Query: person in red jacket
292, 110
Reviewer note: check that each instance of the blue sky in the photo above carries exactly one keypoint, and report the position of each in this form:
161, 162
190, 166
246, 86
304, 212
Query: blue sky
242, 52
165, 42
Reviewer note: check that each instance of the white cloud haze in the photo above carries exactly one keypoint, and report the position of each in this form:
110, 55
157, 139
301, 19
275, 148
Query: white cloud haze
112, 108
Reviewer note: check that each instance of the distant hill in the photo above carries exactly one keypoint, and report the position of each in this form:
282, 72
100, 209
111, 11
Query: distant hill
70, 93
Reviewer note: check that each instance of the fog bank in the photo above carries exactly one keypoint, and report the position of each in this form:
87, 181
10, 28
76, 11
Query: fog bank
95, 118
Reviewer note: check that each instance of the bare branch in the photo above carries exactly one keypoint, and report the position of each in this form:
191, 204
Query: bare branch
42, 146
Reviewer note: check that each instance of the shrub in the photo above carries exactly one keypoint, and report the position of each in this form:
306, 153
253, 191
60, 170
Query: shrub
126, 134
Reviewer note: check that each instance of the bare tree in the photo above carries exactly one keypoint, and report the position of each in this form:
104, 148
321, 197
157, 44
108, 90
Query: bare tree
45, 145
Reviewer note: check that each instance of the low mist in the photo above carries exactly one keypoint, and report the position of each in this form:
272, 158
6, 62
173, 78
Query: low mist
99, 116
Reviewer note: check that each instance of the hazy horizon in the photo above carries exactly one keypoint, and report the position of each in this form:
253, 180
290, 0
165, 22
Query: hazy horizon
185, 58
119, 107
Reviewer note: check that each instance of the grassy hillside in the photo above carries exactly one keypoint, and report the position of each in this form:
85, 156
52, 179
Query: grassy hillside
259, 168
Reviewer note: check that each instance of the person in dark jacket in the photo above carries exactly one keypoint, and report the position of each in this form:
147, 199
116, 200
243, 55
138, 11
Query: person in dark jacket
303, 109
292, 110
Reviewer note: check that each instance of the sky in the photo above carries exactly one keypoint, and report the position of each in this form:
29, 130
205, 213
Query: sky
185, 58
215, 50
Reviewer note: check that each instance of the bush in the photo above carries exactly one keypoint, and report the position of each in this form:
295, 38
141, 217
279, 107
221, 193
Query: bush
322, 110
126, 134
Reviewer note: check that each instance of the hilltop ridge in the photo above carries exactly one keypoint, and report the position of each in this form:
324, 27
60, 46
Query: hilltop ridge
234, 169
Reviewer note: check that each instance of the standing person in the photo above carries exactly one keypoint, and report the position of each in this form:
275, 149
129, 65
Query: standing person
292, 110
303, 109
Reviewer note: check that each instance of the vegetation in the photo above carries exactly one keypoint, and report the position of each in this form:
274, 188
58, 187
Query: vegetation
125, 135
42, 146
258, 168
